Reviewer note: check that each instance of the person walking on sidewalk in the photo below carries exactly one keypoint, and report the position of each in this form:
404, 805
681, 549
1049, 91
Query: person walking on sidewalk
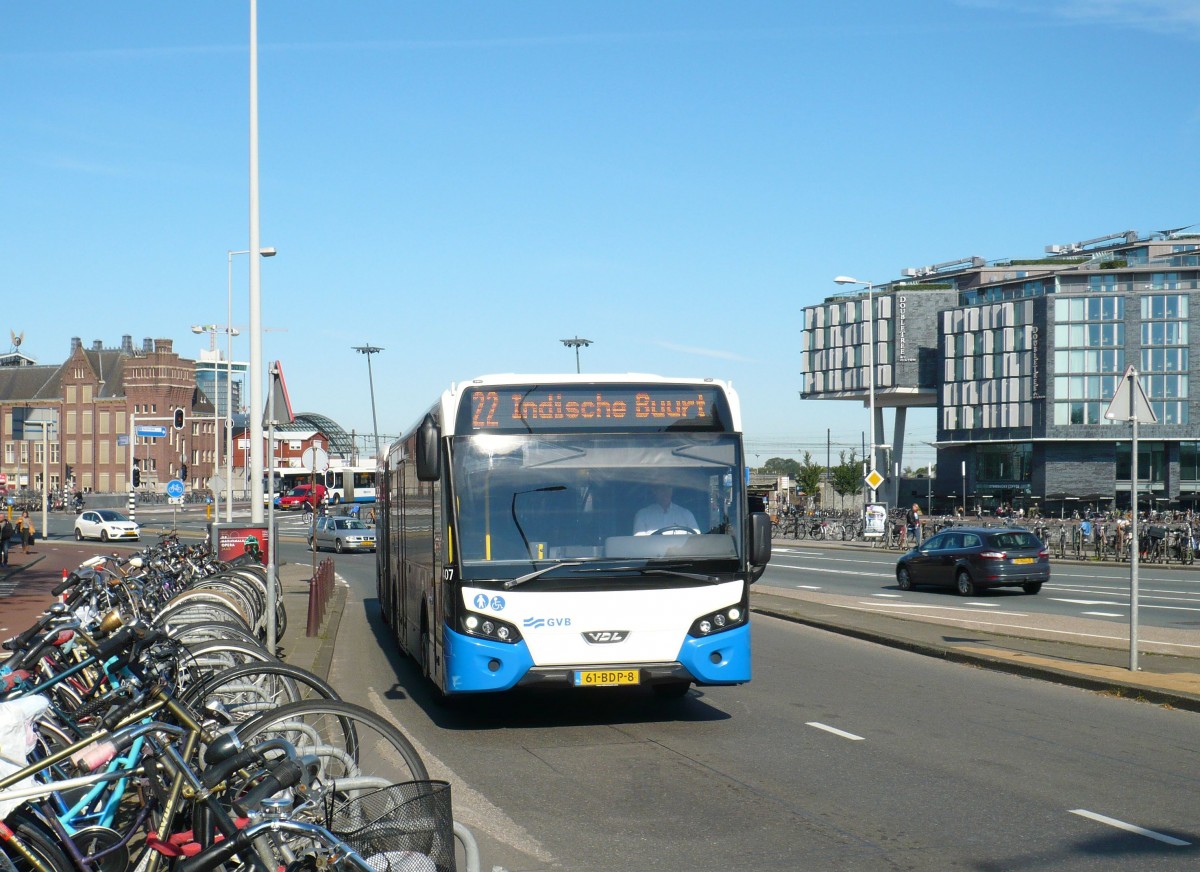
6, 533
25, 528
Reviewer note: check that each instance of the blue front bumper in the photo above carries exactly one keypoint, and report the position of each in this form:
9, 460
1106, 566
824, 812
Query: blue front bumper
479, 666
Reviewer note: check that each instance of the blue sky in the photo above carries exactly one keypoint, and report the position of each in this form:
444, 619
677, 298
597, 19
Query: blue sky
466, 183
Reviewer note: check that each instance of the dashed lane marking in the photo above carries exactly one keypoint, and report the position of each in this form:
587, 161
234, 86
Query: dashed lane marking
836, 731
1130, 828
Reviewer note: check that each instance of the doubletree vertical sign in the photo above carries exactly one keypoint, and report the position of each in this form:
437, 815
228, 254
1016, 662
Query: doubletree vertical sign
560, 408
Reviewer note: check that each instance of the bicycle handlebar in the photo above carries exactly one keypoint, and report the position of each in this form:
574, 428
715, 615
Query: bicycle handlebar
224, 850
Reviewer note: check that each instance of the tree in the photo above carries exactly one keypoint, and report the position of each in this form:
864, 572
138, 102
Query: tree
809, 475
781, 466
847, 475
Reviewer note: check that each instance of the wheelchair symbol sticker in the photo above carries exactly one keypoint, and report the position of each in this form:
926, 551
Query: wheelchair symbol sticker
482, 601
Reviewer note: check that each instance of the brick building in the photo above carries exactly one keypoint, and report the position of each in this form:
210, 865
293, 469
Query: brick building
91, 395
97, 393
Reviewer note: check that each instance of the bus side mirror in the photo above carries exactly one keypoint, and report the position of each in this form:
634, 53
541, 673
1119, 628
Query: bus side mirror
428, 467
760, 544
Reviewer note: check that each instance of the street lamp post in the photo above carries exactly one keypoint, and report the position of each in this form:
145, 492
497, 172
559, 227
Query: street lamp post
230, 332
847, 280
576, 343
368, 350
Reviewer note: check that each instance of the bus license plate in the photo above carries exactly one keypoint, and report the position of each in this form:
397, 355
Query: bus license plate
606, 677
1023, 560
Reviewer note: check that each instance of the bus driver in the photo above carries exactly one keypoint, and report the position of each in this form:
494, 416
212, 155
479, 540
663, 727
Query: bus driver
662, 513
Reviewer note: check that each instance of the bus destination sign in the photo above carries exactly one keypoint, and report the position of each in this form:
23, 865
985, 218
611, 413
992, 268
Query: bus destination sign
556, 408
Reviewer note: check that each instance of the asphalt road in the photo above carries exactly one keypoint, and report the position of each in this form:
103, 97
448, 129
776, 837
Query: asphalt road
840, 755
1168, 598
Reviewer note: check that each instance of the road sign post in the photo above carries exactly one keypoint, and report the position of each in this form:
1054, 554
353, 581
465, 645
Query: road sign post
1130, 404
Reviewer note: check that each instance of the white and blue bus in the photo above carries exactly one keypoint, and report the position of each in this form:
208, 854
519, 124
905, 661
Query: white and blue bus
351, 484
572, 530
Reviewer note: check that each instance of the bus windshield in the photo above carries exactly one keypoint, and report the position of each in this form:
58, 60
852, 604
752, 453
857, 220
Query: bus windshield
525, 501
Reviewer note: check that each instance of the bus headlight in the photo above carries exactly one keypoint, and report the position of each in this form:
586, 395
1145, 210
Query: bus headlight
715, 622
489, 627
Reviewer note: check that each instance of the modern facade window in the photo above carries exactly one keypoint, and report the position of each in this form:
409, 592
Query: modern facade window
1152, 462
1164, 354
1189, 462
987, 378
1089, 356
1021, 360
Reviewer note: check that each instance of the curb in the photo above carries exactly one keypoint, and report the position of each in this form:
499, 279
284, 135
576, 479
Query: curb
1125, 689
329, 630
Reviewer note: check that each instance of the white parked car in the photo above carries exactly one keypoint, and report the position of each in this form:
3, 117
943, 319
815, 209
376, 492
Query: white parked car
107, 525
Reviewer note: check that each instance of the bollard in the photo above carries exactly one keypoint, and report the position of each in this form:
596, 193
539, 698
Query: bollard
320, 590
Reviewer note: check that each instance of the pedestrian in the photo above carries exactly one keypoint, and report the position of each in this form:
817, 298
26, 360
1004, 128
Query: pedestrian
912, 520
25, 528
6, 533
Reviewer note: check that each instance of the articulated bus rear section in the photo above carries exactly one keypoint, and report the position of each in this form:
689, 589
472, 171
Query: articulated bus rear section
572, 531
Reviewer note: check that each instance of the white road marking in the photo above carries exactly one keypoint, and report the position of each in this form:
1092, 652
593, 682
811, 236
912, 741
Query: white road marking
1105, 614
476, 810
834, 571
984, 605
806, 587
836, 731
1131, 828
892, 595
943, 608
1079, 602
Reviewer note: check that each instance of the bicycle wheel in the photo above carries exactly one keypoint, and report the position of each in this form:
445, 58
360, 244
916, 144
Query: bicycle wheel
204, 659
190, 634
37, 840
252, 689
357, 749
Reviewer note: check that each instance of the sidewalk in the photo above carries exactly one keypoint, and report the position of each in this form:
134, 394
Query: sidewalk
1033, 646
26, 585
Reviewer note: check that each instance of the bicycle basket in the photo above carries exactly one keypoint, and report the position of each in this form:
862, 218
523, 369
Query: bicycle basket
386, 826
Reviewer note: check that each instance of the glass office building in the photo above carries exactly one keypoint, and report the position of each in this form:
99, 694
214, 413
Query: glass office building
1021, 361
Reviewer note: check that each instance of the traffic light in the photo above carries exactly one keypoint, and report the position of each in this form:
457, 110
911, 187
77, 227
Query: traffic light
178, 422
183, 472
137, 477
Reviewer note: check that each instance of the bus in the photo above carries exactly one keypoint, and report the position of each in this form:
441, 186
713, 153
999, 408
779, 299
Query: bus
572, 531
350, 484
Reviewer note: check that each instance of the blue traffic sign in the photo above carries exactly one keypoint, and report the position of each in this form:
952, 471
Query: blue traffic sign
151, 431
174, 488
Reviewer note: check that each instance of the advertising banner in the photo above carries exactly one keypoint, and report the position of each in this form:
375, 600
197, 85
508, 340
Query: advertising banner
874, 520
234, 540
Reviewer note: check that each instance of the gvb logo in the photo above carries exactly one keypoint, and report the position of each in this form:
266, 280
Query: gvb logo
537, 623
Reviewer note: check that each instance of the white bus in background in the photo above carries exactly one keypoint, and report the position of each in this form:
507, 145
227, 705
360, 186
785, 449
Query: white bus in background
350, 484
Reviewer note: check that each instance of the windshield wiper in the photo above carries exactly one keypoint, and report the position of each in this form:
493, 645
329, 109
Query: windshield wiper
712, 579
521, 579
